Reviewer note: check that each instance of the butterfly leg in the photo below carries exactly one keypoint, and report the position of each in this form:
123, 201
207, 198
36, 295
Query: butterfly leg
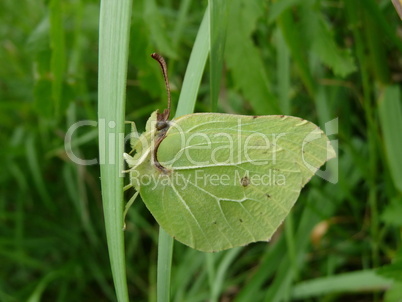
128, 205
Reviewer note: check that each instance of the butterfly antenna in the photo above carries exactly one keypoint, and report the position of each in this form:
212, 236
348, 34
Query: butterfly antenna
163, 65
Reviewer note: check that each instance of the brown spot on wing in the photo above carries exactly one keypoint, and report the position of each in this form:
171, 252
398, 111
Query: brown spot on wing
245, 181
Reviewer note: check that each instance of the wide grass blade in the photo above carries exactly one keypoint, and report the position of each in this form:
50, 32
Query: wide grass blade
113, 54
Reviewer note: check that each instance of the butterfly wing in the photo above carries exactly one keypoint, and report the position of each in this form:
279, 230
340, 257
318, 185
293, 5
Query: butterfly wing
229, 179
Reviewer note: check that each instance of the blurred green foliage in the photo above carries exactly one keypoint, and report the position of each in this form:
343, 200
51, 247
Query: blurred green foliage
316, 59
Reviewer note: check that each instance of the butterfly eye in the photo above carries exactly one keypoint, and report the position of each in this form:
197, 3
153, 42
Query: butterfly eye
161, 125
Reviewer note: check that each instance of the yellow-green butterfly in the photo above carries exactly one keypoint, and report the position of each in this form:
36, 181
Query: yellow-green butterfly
215, 181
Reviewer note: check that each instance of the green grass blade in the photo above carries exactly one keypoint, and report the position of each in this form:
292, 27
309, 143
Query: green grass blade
181, 22
217, 37
283, 74
267, 268
287, 25
113, 54
227, 259
278, 7
195, 69
58, 59
34, 166
165, 252
374, 37
390, 111
186, 105
349, 282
